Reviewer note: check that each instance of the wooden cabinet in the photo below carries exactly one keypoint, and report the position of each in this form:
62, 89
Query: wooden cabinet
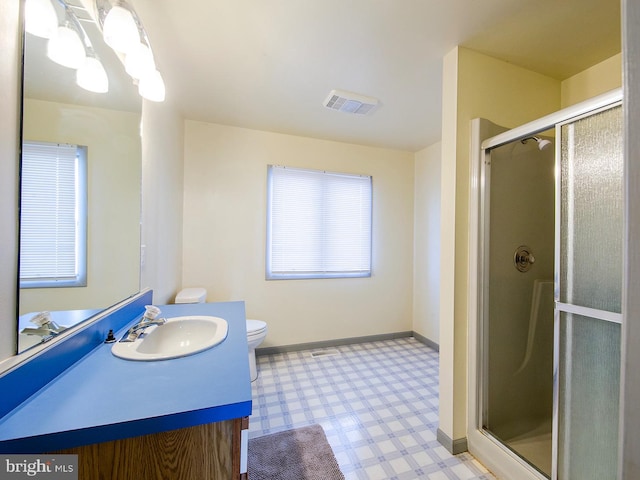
205, 452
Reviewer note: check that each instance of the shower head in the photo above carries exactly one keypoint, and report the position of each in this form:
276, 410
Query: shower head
542, 143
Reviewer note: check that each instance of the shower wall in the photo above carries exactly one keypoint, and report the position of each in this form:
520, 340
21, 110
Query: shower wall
519, 328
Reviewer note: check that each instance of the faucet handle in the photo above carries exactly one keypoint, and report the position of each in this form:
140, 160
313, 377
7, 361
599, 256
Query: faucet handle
151, 312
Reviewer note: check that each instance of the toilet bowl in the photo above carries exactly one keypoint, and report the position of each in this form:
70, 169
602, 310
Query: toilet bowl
256, 329
256, 333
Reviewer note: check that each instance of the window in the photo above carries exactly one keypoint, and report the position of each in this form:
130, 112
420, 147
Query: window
318, 224
53, 218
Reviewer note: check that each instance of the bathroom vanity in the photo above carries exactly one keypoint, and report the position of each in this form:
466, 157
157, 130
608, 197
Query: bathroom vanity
181, 418
210, 451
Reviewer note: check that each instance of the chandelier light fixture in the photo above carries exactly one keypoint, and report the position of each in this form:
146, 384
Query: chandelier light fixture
65, 46
69, 45
119, 29
41, 19
138, 61
92, 76
123, 31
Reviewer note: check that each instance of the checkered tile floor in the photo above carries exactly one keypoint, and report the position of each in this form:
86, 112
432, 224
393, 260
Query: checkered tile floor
377, 403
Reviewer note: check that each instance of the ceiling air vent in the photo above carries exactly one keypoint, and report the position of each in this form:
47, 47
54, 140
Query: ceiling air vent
350, 102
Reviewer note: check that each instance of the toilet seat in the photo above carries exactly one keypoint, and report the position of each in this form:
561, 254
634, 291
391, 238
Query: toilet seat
255, 327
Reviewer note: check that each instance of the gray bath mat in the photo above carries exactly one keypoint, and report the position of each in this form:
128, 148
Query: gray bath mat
298, 454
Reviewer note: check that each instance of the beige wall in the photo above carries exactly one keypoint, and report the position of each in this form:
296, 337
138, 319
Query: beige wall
478, 86
224, 234
602, 77
162, 174
10, 62
113, 215
426, 247
449, 385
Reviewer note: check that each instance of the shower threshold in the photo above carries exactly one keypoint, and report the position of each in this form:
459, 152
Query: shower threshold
534, 446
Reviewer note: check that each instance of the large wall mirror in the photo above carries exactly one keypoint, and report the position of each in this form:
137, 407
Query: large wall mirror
100, 132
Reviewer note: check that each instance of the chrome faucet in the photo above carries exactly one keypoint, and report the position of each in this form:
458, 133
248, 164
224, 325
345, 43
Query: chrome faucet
147, 320
46, 333
45, 327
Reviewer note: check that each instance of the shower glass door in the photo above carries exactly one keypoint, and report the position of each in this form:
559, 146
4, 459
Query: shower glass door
519, 302
588, 297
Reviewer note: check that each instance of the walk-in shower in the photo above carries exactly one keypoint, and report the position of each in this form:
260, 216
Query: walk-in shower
545, 318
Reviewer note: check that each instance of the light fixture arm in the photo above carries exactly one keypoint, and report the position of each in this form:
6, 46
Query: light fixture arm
71, 15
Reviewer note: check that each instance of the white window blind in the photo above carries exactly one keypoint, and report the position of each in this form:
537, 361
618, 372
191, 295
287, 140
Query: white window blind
318, 225
52, 215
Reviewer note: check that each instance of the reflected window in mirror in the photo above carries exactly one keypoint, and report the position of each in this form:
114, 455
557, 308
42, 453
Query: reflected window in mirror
53, 208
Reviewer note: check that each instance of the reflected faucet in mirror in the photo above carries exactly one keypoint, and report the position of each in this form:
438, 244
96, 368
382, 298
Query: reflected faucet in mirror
36, 328
45, 327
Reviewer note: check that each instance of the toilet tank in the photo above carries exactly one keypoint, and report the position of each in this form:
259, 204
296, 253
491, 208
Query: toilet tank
191, 295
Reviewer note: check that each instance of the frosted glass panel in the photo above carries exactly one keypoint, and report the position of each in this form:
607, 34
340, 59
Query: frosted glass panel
592, 212
589, 385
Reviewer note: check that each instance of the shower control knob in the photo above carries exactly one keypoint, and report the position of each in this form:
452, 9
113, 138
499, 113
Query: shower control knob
523, 258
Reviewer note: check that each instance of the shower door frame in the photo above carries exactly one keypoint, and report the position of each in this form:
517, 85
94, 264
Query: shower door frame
488, 449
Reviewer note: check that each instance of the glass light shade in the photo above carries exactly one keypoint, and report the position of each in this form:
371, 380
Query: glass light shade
92, 76
139, 61
151, 87
40, 18
120, 31
66, 48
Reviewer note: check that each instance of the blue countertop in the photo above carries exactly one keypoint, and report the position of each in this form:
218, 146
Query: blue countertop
102, 398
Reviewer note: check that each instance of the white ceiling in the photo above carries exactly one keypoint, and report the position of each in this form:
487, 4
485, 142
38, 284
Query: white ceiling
270, 64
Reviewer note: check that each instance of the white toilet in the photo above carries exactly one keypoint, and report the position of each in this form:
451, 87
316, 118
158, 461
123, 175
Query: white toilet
256, 332
192, 295
256, 329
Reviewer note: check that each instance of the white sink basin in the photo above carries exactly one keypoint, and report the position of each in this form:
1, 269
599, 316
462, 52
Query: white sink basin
178, 337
